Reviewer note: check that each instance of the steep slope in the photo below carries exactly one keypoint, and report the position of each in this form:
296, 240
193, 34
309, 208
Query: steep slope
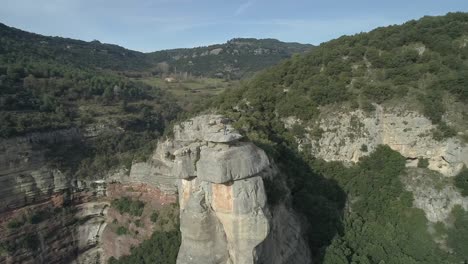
328, 113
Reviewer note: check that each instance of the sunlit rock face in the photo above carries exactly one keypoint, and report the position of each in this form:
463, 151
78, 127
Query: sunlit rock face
343, 135
225, 217
347, 136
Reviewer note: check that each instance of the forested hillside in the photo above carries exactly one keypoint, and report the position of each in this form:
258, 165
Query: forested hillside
420, 63
49, 83
362, 213
237, 58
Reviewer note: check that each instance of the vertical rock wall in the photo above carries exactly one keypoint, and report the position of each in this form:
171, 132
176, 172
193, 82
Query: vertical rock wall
225, 217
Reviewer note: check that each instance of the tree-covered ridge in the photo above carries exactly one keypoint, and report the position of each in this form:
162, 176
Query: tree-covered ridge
421, 63
23, 47
237, 58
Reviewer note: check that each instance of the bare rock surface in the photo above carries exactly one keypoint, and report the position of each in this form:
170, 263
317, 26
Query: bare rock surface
225, 217
349, 136
433, 193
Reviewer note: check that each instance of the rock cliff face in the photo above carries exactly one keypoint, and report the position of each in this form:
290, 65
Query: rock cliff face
433, 193
48, 216
24, 174
225, 217
407, 132
44, 204
219, 178
347, 136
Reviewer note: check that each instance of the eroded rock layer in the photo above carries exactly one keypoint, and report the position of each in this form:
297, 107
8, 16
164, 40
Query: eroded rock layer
47, 215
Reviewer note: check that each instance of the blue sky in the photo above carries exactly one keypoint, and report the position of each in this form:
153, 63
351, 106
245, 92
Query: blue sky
149, 25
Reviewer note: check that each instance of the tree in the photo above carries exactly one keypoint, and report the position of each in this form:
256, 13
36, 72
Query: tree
461, 181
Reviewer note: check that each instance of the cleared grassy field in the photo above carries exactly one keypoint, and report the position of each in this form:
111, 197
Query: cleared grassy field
192, 88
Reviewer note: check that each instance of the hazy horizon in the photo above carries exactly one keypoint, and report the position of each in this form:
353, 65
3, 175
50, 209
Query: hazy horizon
148, 26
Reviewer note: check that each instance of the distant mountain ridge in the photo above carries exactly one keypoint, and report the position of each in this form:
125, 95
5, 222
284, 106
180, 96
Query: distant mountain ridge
237, 58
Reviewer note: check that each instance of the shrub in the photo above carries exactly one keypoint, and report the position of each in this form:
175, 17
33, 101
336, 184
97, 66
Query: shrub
121, 230
154, 217
364, 148
443, 131
15, 223
161, 248
39, 216
423, 163
138, 223
31, 242
461, 181
129, 206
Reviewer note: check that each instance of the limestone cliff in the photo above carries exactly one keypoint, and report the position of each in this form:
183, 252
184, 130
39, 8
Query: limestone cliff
347, 136
224, 210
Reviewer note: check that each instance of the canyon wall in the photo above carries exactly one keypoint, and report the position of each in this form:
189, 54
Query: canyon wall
47, 215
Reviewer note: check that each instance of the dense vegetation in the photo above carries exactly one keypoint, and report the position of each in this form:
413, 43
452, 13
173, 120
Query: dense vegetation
161, 248
76, 53
54, 83
44, 95
129, 206
461, 181
422, 64
49, 83
244, 56
237, 58
380, 224
362, 213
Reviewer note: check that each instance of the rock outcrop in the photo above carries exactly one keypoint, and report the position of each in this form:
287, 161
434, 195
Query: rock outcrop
349, 136
433, 193
225, 217
25, 176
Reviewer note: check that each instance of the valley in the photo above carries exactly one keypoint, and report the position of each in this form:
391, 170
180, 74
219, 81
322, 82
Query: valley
251, 151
